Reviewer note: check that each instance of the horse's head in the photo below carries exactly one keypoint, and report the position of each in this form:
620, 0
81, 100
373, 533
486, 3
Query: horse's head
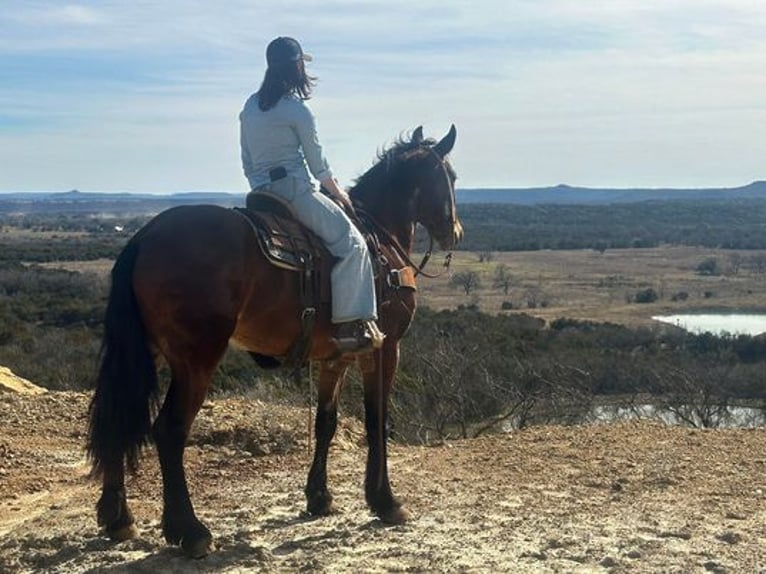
413, 182
434, 197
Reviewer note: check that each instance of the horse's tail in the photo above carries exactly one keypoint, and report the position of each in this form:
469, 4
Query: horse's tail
126, 388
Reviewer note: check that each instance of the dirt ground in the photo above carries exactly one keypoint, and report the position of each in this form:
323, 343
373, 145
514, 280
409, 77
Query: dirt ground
628, 497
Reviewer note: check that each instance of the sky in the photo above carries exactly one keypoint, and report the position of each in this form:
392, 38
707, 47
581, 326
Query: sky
144, 96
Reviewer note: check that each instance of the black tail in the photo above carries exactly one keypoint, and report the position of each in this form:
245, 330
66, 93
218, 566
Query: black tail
126, 388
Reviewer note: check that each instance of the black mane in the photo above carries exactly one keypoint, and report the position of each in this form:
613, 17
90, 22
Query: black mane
389, 170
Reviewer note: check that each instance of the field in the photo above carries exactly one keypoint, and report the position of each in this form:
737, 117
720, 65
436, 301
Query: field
588, 285
583, 284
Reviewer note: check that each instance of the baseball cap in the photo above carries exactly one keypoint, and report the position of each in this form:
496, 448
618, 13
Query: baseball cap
283, 49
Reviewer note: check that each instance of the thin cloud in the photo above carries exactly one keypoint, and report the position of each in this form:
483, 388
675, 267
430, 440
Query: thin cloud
542, 91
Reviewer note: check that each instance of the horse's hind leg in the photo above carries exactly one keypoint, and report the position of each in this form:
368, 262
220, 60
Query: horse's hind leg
112, 508
318, 497
188, 388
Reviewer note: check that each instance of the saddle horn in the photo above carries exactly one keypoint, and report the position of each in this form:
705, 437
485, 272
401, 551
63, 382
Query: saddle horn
447, 142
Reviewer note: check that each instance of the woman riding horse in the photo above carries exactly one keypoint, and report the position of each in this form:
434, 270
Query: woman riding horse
278, 140
193, 279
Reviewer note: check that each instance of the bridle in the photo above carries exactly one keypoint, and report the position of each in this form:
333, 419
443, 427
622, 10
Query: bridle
400, 251
378, 229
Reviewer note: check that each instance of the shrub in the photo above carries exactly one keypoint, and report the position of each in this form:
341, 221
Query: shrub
708, 267
646, 296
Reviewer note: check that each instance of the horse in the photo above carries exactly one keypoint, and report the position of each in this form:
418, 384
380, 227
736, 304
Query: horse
193, 279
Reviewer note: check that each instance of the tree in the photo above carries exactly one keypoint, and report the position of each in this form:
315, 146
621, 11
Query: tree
758, 263
466, 280
502, 278
708, 267
485, 256
648, 295
735, 263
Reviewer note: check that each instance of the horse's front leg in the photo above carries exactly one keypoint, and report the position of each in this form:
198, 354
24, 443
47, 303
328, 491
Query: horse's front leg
377, 388
318, 497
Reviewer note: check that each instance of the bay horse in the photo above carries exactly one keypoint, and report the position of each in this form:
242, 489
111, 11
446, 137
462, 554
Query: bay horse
193, 279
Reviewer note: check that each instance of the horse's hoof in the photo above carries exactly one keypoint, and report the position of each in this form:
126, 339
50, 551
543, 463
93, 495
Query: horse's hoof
395, 516
197, 547
123, 533
320, 505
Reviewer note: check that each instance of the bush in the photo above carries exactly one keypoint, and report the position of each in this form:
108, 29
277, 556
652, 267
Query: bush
646, 296
708, 267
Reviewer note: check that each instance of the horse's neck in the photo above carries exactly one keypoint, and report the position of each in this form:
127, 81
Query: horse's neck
395, 222
391, 214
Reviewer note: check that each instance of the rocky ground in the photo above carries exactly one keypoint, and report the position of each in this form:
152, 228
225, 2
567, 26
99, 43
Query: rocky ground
628, 497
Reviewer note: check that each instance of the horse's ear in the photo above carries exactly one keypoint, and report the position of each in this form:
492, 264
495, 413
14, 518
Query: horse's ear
417, 135
445, 145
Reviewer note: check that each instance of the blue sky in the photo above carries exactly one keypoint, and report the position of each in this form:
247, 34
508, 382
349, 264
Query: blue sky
144, 95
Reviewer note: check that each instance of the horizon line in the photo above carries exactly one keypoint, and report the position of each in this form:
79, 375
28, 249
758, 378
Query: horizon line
559, 186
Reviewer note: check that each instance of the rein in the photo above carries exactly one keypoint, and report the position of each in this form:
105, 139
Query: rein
419, 269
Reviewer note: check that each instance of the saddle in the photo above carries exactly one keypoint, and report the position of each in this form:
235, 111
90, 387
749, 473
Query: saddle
283, 241
289, 245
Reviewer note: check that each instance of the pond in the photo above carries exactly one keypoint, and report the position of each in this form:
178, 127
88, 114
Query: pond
725, 417
718, 323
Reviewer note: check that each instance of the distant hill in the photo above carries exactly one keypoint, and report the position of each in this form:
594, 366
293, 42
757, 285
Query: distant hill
565, 194
109, 203
140, 203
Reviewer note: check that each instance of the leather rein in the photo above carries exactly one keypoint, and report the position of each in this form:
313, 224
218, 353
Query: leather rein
377, 228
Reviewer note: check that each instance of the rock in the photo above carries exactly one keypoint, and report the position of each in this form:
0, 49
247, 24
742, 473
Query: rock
11, 383
730, 537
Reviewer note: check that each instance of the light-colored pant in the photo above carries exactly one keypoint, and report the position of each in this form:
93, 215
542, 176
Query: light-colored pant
352, 280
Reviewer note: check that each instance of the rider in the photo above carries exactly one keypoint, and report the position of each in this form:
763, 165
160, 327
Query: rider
279, 144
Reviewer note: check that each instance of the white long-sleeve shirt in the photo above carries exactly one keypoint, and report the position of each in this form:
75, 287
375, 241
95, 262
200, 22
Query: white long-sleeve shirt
283, 136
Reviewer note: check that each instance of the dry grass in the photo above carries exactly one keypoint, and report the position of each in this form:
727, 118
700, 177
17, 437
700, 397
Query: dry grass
101, 267
585, 284
11, 233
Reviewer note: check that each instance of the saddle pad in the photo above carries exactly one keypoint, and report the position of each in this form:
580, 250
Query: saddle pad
285, 242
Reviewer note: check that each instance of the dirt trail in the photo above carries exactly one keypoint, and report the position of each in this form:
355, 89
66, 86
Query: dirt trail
632, 497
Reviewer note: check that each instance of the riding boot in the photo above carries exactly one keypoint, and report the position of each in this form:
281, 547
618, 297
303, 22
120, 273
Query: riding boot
356, 337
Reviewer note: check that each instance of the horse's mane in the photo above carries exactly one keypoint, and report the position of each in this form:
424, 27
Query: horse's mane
389, 168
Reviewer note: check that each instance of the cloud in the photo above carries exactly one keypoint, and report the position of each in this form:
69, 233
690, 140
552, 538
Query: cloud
54, 14
541, 91
74, 14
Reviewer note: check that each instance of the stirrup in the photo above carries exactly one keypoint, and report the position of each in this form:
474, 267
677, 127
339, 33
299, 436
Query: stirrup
356, 337
375, 333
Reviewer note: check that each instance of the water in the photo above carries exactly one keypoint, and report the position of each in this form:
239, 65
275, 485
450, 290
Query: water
717, 323
729, 417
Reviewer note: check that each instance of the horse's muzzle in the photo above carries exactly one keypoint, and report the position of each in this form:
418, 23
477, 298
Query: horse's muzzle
452, 236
